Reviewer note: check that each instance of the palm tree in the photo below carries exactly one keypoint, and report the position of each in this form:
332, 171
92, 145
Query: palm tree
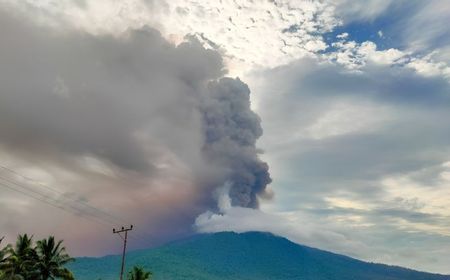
2, 258
138, 273
20, 262
52, 257
2, 252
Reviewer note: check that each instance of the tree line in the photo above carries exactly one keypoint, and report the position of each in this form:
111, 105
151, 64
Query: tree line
44, 260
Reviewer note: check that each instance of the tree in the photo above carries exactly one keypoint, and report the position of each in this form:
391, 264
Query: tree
2, 258
52, 257
138, 273
43, 262
2, 252
20, 262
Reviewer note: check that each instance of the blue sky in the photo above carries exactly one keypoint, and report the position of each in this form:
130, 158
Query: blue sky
387, 22
121, 106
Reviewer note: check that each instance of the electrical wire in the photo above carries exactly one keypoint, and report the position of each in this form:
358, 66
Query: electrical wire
111, 218
78, 208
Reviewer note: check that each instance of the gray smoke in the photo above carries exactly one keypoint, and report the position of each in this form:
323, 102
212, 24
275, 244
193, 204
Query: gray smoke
231, 130
159, 124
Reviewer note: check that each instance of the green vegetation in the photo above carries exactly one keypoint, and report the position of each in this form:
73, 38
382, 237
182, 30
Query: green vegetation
24, 261
138, 273
246, 256
219, 256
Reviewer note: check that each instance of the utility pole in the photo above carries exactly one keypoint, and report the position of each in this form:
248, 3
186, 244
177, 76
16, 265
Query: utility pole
124, 245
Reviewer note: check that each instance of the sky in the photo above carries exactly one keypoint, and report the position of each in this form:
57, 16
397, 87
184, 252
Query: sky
325, 122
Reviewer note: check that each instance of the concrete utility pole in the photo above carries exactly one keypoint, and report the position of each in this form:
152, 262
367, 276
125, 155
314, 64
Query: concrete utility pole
124, 245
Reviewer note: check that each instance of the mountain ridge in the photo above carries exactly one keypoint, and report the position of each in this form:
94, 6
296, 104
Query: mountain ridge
244, 256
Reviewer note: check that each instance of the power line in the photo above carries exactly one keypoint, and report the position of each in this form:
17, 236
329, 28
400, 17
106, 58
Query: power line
55, 203
111, 218
77, 207
46, 200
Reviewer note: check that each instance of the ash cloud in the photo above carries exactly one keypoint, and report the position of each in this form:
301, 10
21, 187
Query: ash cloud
231, 130
129, 122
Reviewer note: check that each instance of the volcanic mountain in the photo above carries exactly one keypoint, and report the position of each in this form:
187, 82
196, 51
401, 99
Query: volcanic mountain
244, 256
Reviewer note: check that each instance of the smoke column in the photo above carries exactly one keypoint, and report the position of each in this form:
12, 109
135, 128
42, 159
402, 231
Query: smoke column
231, 130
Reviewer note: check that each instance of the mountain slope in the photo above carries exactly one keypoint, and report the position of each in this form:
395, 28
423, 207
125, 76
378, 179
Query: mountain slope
245, 256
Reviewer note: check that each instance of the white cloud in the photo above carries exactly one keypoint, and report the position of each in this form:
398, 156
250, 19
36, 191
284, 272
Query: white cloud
297, 227
348, 117
427, 28
350, 228
96, 17
355, 56
361, 10
429, 197
427, 66
380, 34
260, 33
250, 35
342, 35
369, 50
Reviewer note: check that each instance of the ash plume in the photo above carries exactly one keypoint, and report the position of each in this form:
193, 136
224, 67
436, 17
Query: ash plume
231, 130
130, 122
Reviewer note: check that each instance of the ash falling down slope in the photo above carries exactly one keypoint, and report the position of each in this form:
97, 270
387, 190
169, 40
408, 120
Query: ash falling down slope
129, 122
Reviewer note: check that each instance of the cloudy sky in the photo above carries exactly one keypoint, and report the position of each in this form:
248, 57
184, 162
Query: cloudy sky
326, 122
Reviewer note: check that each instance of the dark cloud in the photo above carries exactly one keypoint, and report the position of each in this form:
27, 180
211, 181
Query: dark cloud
402, 87
397, 126
85, 94
365, 152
